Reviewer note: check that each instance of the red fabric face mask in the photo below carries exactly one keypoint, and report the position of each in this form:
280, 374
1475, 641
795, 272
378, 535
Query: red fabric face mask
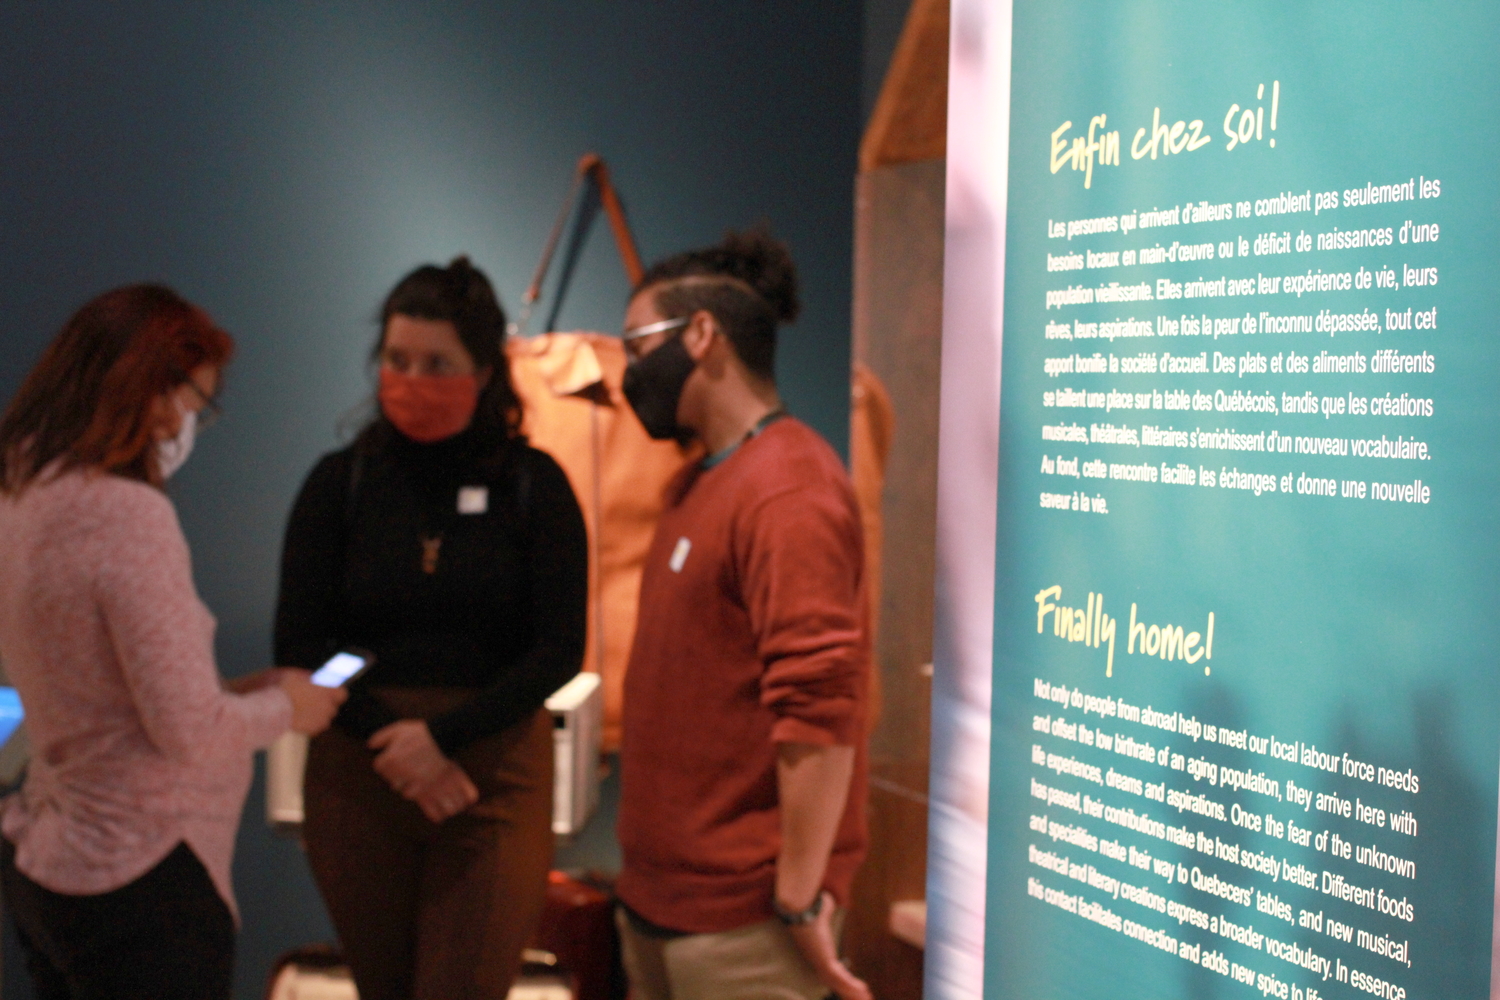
428, 408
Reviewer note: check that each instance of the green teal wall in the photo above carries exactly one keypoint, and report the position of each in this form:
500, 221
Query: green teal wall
283, 164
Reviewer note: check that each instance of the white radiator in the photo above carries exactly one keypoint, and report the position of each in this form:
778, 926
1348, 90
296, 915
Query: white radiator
577, 720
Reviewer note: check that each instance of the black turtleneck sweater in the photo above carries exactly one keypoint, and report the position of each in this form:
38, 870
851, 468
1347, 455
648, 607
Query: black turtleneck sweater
380, 554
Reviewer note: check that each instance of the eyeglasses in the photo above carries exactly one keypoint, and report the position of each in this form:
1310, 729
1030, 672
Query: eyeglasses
662, 326
635, 333
211, 411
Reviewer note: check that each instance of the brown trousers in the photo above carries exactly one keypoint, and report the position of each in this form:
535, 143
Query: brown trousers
430, 911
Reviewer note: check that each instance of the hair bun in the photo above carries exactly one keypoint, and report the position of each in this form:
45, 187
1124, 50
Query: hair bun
470, 285
752, 256
765, 264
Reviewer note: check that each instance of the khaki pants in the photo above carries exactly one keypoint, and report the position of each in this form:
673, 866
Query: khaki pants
758, 962
430, 911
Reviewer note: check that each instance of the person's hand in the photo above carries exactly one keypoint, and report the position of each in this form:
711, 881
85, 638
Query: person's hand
409, 757
449, 794
250, 683
313, 707
413, 764
815, 941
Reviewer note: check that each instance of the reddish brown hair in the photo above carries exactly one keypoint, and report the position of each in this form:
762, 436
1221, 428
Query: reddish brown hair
88, 400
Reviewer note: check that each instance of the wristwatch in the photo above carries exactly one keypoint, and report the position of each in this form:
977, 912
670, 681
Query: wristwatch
797, 918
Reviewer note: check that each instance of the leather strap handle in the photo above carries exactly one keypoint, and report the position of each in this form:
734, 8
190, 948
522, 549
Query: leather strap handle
591, 169
593, 165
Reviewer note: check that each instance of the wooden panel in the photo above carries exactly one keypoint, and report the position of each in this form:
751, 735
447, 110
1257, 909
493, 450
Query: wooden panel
898, 837
910, 120
897, 335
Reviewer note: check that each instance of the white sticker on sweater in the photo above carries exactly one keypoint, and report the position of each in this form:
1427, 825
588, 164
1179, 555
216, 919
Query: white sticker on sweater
473, 499
680, 554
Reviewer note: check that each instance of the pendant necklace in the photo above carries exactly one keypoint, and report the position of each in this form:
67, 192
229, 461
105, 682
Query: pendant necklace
431, 545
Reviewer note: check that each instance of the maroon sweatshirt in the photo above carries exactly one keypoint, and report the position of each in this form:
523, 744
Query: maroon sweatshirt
752, 631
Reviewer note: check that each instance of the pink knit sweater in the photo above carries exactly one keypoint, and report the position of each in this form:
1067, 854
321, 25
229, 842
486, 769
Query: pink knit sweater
135, 745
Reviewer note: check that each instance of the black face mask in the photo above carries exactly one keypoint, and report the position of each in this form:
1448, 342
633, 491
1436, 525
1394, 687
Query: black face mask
653, 385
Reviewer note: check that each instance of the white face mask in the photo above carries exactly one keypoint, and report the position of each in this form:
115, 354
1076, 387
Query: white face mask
171, 453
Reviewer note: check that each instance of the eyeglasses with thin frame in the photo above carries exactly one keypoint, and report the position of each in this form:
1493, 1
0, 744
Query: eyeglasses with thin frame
661, 326
211, 411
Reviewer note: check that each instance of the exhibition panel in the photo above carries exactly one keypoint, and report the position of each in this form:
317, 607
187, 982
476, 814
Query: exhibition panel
1246, 723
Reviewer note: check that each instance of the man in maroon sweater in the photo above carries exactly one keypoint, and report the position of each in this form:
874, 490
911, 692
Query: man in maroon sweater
743, 757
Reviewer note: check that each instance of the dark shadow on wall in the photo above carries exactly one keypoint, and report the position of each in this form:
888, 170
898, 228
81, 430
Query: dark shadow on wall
1452, 930
1454, 892
283, 164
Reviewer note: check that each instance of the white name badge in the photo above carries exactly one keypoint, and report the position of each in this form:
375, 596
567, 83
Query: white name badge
473, 499
680, 554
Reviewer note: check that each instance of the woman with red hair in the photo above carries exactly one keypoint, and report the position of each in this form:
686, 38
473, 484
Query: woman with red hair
116, 851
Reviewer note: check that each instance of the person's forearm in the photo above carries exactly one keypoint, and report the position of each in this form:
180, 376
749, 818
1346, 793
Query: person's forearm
248, 683
813, 784
521, 690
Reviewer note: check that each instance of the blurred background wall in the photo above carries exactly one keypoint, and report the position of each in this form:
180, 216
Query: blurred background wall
284, 163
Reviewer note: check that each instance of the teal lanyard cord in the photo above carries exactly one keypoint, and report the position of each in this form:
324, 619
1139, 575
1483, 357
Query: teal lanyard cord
717, 457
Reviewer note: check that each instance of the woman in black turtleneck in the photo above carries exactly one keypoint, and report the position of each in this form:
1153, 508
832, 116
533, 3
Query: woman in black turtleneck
456, 554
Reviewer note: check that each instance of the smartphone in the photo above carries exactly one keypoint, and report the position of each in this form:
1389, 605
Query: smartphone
11, 713
342, 668
15, 749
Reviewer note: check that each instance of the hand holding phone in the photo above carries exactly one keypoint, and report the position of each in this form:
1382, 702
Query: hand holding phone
313, 705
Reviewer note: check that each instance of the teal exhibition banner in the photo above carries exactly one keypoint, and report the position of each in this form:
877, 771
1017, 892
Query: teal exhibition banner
1246, 700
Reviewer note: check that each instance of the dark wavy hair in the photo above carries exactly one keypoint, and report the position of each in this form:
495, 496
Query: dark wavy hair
88, 400
460, 294
747, 281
